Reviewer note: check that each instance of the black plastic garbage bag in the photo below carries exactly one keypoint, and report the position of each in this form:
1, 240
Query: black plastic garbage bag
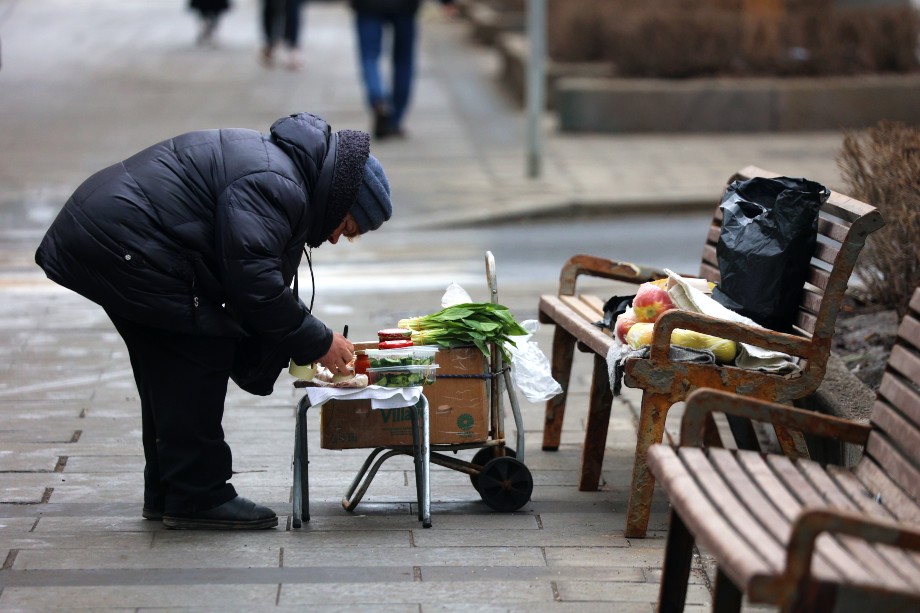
769, 233
614, 306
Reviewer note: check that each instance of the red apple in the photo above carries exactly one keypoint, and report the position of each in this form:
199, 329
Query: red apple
625, 321
652, 300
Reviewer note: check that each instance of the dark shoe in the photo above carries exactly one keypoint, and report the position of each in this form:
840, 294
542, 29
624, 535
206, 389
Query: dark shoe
237, 514
152, 514
382, 127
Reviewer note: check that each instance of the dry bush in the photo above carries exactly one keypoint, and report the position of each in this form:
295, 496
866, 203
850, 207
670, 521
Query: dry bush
881, 166
690, 38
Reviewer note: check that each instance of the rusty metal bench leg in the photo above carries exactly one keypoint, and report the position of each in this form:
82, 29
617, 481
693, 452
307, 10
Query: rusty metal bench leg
592, 458
675, 573
727, 597
563, 354
652, 416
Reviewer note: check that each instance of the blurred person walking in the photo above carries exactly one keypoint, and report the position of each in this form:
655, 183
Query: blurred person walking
210, 12
281, 21
400, 18
191, 246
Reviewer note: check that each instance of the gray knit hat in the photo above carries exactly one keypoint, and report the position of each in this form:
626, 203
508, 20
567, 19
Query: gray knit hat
373, 206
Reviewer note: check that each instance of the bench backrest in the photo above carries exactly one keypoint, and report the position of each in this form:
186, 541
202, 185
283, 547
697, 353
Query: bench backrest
894, 443
843, 225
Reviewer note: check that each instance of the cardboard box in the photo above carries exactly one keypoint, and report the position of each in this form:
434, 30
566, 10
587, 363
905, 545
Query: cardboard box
458, 410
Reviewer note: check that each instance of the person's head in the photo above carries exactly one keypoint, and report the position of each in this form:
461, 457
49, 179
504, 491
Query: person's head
351, 194
372, 205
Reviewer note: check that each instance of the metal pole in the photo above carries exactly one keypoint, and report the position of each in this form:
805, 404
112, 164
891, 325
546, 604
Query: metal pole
536, 80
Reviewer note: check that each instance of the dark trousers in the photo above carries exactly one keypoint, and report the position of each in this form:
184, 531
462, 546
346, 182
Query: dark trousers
281, 18
182, 382
370, 28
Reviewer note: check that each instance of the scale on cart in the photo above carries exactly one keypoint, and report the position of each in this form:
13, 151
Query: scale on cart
497, 472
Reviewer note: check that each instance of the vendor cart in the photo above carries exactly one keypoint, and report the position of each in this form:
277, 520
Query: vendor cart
497, 471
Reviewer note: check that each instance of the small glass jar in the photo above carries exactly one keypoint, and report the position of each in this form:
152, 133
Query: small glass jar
362, 362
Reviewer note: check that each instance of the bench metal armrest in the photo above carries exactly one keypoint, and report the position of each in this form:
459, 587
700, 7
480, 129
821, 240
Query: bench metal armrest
814, 522
592, 266
702, 402
688, 320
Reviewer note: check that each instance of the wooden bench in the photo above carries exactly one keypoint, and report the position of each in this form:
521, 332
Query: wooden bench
790, 532
844, 224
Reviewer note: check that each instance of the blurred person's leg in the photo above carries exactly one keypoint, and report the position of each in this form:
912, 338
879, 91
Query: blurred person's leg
270, 16
404, 36
370, 45
292, 23
292, 15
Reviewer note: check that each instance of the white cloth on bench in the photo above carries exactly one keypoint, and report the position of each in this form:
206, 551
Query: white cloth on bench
687, 297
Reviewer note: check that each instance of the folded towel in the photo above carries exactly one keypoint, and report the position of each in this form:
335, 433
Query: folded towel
380, 397
619, 353
689, 298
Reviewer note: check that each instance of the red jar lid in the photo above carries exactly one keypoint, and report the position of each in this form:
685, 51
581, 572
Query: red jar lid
396, 344
394, 334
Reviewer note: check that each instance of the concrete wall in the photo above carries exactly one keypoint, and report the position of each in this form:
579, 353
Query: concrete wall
735, 105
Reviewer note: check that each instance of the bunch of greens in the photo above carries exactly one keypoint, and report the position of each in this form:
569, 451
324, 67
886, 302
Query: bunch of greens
471, 323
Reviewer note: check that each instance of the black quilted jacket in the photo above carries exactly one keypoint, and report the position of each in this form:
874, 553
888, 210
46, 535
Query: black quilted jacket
203, 233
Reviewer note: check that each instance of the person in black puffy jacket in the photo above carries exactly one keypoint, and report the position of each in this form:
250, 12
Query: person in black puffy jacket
191, 247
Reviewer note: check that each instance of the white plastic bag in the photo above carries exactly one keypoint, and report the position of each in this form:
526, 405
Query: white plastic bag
530, 369
454, 294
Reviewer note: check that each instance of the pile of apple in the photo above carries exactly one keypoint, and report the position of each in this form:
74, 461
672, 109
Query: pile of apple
634, 326
652, 299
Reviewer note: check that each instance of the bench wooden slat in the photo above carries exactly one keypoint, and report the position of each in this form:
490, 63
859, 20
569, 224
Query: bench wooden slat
707, 522
767, 481
864, 499
709, 272
785, 501
746, 488
594, 302
805, 321
712, 236
826, 253
866, 502
832, 229
811, 300
582, 309
900, 434
789, 474
910, 331
761, 504
884, 565
900, 396
817, 277
710, 257
846, 208
879, 483
905, 362
713, 485
901, 470
586, 332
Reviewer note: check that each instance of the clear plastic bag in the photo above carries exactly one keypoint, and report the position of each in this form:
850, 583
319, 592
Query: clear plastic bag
530, 368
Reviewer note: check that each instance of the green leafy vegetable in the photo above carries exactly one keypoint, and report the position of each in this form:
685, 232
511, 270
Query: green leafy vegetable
476, 323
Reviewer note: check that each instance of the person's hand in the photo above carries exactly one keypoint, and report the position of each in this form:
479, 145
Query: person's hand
340, 354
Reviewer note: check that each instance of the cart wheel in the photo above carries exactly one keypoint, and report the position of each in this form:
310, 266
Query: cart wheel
482, 458
505, 484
